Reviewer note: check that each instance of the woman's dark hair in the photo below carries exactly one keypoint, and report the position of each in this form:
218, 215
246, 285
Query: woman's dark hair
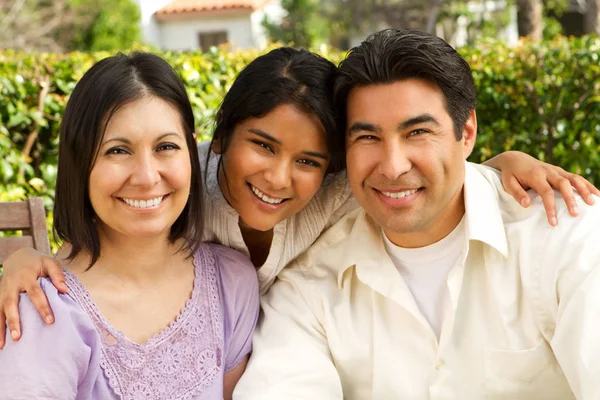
394, 54
105, 88
282, 76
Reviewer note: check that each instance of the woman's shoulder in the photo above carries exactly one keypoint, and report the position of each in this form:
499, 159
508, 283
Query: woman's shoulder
231, 260
234, 269
58, 301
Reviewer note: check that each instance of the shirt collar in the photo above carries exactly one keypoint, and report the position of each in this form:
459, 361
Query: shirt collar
365, 246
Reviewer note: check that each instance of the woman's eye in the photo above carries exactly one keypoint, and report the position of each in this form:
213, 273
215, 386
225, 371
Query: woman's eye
312, 163
116, 150
167, 146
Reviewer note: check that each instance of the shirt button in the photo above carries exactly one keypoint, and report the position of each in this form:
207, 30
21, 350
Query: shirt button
439, 365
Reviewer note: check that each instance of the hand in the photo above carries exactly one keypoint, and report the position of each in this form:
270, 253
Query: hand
21, 272
520, 172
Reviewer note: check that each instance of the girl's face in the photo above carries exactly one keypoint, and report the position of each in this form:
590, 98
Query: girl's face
273, 166
140, 182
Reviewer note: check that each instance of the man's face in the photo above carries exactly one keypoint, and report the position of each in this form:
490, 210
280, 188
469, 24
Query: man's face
405, 166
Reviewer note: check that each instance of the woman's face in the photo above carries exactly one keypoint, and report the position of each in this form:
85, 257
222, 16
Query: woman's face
273, 166
140, 182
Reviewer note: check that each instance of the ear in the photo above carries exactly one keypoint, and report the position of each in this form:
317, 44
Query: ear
469, 134
216, 146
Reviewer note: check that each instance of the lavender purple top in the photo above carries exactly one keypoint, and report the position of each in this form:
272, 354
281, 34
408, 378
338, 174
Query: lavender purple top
81, 356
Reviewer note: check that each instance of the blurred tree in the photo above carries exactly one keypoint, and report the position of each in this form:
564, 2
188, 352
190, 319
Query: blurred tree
593, 17
41, 25
530, 18
303, 25
61, 25
114, 25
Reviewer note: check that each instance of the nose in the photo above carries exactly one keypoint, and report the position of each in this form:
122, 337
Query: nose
395, 161
145, 172
279, 175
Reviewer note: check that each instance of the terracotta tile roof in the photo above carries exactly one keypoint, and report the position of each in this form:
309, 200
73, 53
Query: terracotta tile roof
195, 6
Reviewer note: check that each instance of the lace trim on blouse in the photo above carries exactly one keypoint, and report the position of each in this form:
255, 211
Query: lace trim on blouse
179, 362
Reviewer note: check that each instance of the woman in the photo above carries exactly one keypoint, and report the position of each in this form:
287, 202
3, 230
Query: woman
274, 177
152, 312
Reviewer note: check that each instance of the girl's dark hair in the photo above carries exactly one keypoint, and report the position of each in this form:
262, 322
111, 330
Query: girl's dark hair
106, 87
282, 76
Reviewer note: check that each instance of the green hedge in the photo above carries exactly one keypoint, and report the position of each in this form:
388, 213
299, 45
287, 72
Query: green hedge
543, 99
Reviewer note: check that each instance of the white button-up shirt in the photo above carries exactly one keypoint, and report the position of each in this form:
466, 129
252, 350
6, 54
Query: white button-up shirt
523, 321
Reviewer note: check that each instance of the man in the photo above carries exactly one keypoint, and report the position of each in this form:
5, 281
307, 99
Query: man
442, 286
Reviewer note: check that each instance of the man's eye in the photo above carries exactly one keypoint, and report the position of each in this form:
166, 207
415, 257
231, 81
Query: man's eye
417, 132
367, 137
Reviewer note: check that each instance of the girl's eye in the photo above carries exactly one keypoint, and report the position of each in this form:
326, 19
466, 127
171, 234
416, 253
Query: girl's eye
167, 146
367, 137
264, 145
116, 150
312, 163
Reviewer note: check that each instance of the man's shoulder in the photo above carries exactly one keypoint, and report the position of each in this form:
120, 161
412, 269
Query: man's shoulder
514, 214
325, 258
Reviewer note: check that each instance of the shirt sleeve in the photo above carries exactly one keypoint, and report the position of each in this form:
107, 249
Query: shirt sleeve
241, 304
50, 361
569, 274
291, 358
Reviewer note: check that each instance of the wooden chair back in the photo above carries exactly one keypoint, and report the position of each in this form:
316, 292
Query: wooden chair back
28, 216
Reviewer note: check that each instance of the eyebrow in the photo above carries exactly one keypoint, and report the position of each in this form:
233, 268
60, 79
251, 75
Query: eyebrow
127, 141
363, 126
368, 127
266, 136
420, 119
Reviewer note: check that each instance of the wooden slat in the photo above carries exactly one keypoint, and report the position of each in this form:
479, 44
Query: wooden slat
38, 225
14, 216
29, 217
9, 245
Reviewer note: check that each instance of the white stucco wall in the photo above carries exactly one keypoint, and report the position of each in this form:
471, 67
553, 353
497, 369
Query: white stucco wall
244, 29
150, 27
183, 34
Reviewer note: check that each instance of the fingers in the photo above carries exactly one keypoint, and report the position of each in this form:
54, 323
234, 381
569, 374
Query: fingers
541, 183
11, 309
40, 301
566, 190
549, 201
54, 271
583, 187
516, 190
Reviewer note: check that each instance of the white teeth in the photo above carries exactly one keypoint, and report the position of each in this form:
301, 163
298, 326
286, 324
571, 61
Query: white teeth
264, 197
398, 195
144, 203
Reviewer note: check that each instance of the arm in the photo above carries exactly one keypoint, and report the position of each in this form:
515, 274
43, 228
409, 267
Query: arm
520, 172
232, 377
21, 272
569, 281
291, 358
50, 361
241, 307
